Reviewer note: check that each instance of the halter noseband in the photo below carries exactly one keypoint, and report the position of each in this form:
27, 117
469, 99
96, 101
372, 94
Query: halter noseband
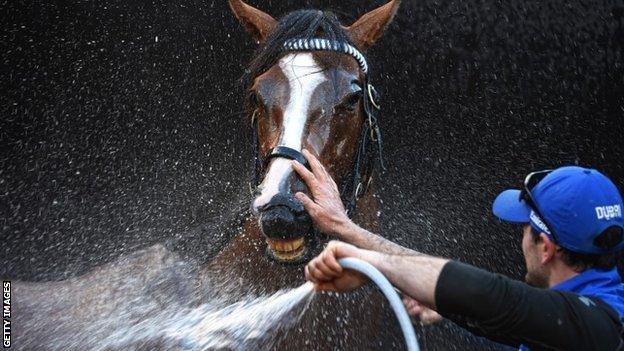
289, 153
370, 137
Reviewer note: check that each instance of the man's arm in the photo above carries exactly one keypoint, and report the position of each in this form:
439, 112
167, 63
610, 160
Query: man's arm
361, 237
329, 214
487, 304
414, 275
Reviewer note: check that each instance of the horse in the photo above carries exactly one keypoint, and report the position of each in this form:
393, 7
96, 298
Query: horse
307, 87
319, 98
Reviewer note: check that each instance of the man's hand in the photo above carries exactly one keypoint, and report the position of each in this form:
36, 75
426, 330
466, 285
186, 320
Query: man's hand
327, 274
426, 315
326, 210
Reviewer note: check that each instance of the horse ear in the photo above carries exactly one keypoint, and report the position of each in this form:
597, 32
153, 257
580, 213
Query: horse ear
258, 23
368, 28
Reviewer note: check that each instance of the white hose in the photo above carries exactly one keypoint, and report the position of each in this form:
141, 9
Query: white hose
388, 290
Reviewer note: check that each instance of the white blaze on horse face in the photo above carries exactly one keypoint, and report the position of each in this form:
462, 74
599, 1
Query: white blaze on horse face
304, 76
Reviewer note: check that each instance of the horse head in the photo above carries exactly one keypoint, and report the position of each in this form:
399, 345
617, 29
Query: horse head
308, 88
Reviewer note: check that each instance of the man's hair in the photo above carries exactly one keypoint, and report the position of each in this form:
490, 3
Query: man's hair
582, 261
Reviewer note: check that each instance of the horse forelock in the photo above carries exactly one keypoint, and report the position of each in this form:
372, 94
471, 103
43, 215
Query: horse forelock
302, 24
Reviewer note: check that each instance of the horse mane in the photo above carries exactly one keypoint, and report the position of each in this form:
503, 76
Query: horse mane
300, 24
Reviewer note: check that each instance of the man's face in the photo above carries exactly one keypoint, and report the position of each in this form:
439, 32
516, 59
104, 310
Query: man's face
536, 275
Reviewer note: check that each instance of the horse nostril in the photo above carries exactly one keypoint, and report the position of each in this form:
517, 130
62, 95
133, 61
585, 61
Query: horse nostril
278, 215
281, 222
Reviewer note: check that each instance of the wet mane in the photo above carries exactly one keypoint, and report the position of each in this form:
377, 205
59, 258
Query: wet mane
297, 24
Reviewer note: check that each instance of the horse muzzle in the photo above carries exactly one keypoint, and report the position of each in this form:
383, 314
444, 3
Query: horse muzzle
287, 227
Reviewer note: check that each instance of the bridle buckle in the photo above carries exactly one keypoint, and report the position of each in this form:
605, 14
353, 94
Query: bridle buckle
254, 117
372, 95
357, 189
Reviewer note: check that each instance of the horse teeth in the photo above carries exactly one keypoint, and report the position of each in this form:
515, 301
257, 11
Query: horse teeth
297, 243
285, 245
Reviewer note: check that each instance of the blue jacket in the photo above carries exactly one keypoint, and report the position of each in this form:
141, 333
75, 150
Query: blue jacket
605, 285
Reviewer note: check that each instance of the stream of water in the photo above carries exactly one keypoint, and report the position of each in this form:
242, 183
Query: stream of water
252, 323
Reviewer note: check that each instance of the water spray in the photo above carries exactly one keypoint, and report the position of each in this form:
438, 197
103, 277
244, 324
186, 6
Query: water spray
247, 324
388, 290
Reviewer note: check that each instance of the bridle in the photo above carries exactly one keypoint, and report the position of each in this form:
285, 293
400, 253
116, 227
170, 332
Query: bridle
370, 138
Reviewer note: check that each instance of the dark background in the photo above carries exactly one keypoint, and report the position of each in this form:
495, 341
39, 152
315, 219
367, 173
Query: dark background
121, 122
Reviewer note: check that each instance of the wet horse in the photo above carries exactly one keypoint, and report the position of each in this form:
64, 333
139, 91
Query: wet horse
308, 87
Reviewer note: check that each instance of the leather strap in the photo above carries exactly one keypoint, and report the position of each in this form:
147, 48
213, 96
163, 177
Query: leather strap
291, 154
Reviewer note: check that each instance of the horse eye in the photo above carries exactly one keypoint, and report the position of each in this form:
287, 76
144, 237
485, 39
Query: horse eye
253, 99
351, 101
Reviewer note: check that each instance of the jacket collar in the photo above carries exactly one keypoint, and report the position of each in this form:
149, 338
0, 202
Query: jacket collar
590, 281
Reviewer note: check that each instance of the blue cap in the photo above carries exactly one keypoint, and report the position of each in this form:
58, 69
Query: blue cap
577, 203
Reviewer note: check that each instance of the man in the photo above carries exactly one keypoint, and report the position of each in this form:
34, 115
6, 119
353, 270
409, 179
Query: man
572, 235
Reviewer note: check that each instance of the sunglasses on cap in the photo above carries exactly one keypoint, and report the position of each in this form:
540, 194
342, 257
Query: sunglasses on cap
531, 180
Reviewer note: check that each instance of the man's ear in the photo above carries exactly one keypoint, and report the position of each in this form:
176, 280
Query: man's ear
547, 248
258, 23
367, 29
